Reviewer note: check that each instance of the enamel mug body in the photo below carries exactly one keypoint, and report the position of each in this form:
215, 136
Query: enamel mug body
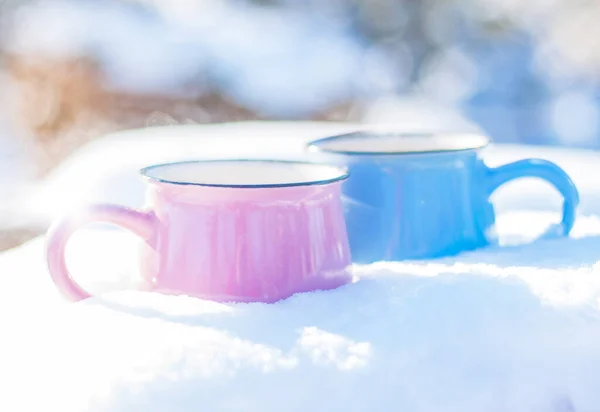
228, 230
418, 196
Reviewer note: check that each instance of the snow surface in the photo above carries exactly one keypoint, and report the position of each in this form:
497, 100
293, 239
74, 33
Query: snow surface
510, 328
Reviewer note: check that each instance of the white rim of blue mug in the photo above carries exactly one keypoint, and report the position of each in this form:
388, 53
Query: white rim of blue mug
319, 144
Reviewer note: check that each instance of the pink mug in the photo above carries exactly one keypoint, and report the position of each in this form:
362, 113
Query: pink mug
228, 230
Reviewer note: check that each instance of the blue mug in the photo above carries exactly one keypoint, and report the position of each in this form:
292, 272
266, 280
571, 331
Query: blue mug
420, 196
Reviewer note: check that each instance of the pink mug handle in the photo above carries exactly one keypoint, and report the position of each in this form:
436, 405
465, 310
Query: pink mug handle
138, 222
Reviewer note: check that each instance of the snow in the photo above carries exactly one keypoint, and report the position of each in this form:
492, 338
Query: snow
510, 328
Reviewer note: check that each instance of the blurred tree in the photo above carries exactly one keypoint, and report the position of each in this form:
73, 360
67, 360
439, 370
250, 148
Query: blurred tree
504, 63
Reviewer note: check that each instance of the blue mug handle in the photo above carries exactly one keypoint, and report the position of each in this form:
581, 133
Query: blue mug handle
547, 171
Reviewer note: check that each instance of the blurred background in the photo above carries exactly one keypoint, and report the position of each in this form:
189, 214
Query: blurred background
72, 71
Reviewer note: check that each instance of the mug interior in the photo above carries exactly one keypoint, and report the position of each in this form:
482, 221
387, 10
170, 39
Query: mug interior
366, 142
245, 173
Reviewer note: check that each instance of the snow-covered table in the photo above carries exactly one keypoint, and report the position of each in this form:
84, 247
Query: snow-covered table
511, 328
